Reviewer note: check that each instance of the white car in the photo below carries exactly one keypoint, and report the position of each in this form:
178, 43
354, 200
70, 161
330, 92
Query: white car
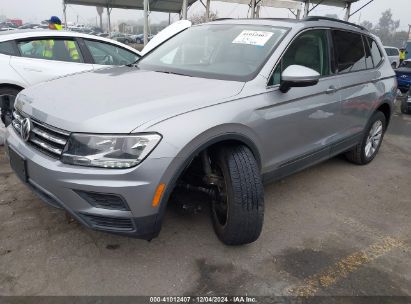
23, 62
393, 55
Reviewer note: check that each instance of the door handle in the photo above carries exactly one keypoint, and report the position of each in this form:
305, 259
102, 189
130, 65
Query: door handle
331, 90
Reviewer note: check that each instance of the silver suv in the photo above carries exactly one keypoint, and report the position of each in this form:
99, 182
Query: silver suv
220, 108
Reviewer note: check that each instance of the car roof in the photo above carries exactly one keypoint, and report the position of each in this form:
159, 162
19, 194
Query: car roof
38, 33
296, 24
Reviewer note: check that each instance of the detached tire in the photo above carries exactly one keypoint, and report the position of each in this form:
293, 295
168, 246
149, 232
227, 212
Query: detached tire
364, 152
238, 213
7, 116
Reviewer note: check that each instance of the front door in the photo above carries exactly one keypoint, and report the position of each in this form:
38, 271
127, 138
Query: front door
302, 121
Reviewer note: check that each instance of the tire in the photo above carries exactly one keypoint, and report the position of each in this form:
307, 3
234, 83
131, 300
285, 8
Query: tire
394, 65
404, 106
358, 155
7, 115
244, 196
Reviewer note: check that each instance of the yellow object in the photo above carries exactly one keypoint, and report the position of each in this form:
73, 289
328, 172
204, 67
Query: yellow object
402, 55
157, 195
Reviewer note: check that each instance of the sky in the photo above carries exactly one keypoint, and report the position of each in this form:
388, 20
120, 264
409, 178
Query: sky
37, 10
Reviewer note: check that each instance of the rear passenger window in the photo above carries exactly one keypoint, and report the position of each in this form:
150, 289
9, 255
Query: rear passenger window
375, 51
350, 51
310, 49
6, 48
51, 49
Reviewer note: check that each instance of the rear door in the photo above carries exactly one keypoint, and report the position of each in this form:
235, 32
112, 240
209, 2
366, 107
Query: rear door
46, 58
358, 77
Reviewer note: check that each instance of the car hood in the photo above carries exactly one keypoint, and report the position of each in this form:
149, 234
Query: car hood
118, 100
403, 70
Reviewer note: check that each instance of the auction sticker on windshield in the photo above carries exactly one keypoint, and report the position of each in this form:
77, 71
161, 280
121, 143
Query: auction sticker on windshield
259, 38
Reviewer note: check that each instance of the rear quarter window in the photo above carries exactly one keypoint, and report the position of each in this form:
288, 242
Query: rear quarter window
7, 48
375, 51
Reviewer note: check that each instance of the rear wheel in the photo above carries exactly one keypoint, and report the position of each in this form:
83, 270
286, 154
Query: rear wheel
404, 103
238, 206
6, 114
364, 152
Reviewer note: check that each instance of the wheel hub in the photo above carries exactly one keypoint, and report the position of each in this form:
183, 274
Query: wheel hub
373, 139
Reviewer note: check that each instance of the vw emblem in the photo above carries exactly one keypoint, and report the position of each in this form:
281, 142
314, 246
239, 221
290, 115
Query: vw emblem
404, 76
26, 127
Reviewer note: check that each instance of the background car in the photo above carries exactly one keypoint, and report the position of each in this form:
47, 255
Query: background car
393, 55
22, 60
139, 39
123, 38
404, 76
406, 103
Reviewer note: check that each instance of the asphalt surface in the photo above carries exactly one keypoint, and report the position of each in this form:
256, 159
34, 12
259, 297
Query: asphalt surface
333, 229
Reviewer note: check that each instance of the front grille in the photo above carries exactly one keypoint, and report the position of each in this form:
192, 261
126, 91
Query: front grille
104, 200
108, 223
43, 137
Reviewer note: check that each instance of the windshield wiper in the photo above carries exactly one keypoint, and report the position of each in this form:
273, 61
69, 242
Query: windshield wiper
174, 73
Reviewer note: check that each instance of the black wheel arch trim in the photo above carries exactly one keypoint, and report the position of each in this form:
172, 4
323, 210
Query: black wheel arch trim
211, 141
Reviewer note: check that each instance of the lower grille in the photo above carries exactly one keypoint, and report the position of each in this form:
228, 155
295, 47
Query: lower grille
109, 223
103, 200
43, 137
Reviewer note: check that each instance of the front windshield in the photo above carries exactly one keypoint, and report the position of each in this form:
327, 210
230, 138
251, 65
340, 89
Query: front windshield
220, 51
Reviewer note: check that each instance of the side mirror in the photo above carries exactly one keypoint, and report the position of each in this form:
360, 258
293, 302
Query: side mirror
298, 76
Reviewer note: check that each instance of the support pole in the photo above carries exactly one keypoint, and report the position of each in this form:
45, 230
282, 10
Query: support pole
109, 19
347, 11
252, 15
65, 13
257, 12
208, 10
306, 8
145, 22
184, 9
298, 15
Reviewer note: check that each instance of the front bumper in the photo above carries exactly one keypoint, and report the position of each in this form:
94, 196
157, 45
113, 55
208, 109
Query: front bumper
63, 186
404, 85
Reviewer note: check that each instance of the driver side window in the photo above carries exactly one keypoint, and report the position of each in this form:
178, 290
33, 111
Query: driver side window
109, 54
310, 49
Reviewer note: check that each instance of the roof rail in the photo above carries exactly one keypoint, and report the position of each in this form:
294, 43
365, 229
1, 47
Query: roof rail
318, 18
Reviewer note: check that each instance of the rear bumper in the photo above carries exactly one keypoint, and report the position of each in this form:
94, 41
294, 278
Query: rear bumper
63, 186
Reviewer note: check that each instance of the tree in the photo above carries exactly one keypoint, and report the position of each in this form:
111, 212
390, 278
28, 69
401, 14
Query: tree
202, 18
387, 30
368, 25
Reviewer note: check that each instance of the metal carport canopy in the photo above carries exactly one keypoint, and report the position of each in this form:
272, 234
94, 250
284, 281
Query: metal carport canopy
339, 3
165, 6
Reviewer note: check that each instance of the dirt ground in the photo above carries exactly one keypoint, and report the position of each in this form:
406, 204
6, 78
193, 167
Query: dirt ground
333, 229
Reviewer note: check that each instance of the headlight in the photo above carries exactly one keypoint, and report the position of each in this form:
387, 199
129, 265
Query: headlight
108, 151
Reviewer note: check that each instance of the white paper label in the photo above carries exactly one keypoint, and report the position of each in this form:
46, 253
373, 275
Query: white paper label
259, 38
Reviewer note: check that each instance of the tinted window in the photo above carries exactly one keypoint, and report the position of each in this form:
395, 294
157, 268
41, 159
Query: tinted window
375, 51
220, 51
350, 52
6, 48
310, 49
110, 54
392, 52
51, 49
